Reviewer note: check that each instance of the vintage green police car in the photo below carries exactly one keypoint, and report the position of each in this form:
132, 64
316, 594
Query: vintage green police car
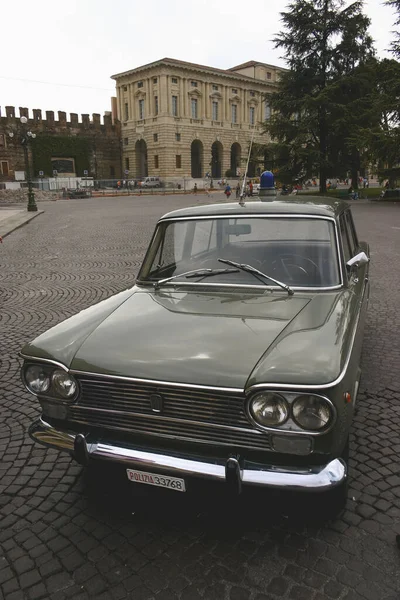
235, 357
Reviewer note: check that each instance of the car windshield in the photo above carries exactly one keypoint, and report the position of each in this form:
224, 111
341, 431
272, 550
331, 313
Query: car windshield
297, 251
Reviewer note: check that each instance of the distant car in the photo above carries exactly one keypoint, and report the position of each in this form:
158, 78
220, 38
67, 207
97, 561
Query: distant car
235, 357
151, 182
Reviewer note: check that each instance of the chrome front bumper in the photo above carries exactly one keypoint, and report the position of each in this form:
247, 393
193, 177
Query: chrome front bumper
313, 479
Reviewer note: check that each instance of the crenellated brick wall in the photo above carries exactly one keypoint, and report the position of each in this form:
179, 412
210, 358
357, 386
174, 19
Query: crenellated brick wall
103, 135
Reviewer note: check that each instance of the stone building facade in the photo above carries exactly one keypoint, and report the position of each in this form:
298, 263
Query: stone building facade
69, 147
182, 120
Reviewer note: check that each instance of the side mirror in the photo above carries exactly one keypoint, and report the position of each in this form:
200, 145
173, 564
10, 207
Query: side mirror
357, 261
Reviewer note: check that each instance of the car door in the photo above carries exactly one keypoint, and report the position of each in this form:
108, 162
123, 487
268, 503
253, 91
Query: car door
358, 281
361, 275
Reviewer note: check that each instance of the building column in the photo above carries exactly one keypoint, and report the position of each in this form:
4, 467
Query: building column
203, 100
163, 95
222, 107
207, 100
121, 104
181, 107
168, 99
130, 102
186, 98
149, 110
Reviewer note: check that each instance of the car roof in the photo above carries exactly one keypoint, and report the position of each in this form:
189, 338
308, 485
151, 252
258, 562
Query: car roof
306, 205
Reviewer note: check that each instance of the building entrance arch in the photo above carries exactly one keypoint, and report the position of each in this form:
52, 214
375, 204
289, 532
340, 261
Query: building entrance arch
236, 154
251, 171
216, 160
196, 159
141, 159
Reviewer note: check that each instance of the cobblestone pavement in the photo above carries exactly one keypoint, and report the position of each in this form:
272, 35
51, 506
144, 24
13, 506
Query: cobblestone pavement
60, 537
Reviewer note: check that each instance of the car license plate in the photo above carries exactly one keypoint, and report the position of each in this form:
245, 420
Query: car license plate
172, 483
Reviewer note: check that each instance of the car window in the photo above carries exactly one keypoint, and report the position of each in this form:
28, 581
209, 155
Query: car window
351, 232
345, 239
204, 237
297, 251
169, 243
281, 229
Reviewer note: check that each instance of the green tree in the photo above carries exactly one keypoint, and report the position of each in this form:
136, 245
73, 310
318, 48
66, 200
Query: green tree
384, 141
395, 45
323, 41
381, 139
353, 111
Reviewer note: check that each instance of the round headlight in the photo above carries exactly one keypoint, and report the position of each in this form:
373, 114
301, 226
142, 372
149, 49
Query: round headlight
311, 412
64, 384
269, 409
37, 379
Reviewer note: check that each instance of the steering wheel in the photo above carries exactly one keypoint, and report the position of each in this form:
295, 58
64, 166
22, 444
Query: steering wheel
295, 265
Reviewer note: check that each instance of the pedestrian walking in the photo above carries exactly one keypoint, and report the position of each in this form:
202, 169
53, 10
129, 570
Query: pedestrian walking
206, 189
228, 191
195, 189
250, 188
238, 190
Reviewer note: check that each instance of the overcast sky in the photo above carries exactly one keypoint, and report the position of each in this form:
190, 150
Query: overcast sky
74, 47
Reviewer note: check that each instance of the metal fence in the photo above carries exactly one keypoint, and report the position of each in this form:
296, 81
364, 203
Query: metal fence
79, 187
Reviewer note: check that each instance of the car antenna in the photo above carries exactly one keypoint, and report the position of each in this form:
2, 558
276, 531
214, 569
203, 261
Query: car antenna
241, 197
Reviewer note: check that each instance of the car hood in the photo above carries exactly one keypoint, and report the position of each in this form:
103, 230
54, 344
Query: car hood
191, 337
223, 338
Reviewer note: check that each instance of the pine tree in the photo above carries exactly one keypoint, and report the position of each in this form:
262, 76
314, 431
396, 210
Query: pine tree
323, 42
353, 111
381, 138
396, 43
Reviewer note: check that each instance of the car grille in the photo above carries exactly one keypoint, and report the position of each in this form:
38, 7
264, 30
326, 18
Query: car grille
208, 417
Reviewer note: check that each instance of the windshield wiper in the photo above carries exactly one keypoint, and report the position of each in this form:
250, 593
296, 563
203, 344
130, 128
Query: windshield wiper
195, 273
256, 272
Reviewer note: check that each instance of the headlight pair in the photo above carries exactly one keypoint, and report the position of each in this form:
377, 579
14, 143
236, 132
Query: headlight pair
310, 412
40, 380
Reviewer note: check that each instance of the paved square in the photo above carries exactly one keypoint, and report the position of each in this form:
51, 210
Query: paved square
65, 535
6, 213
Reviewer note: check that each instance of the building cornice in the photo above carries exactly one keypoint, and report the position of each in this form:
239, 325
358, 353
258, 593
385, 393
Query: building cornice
255, 63
192, 67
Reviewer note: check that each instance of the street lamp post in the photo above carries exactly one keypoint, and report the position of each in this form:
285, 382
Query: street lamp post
26, 137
